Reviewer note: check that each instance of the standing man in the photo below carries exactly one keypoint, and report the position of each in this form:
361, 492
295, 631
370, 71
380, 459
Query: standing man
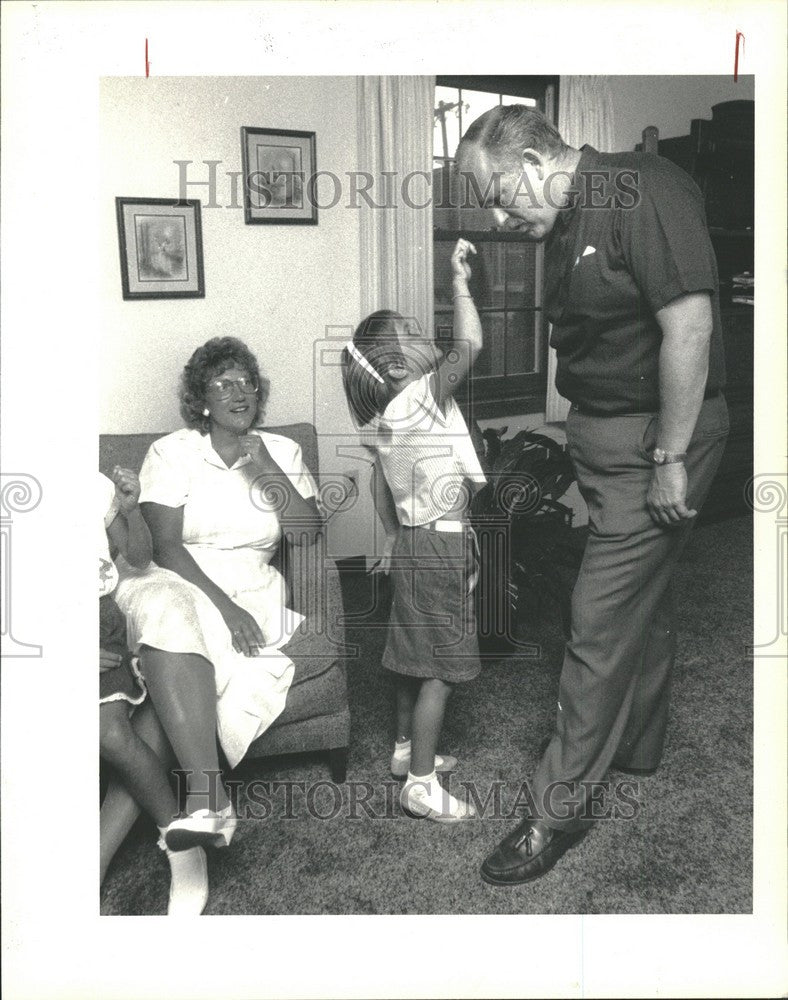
631, 292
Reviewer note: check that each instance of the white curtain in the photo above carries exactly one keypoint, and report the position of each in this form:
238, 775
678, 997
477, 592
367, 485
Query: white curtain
395, 116
585, 115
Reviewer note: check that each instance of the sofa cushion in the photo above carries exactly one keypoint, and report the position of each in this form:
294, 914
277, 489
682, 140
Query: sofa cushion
127, 450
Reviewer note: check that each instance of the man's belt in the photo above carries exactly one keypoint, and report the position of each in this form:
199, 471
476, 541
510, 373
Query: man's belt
591, 411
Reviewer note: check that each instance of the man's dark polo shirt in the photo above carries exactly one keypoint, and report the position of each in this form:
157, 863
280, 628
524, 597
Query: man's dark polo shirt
610, 269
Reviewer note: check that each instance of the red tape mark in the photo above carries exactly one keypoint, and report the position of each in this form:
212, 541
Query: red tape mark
739, 38
147, 64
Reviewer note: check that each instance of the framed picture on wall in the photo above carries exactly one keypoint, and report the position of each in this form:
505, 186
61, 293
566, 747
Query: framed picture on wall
279, 167
160, 248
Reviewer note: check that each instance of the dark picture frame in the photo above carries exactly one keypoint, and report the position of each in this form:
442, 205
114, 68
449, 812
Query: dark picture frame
160, 241
279, 167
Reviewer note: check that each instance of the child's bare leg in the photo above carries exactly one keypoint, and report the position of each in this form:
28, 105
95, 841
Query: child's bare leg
407, 691
119, 810
422, 794
137, 766
428, 713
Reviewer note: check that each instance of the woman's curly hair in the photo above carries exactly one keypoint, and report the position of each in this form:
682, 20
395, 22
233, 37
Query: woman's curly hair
209, 361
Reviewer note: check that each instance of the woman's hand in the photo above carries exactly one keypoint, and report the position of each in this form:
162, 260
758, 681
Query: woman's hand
459, 260
127, 488
253, 446
383, 565
108, 661
246, 634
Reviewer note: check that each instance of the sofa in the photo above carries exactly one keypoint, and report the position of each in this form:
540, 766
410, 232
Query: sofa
316, 716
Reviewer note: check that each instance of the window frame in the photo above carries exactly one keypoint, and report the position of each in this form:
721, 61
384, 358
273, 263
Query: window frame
505, 395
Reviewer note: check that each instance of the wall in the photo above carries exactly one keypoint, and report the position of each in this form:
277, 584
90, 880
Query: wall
669, 102
277, 287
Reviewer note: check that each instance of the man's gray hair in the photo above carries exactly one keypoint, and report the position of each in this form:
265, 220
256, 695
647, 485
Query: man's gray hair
505, 131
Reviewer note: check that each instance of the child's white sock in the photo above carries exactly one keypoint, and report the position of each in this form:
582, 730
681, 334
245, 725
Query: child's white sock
425, 787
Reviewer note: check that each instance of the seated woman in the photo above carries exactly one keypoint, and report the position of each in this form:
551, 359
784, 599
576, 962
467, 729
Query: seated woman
209, 618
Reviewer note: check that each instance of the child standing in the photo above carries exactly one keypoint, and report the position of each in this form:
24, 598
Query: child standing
121, 688
400, 390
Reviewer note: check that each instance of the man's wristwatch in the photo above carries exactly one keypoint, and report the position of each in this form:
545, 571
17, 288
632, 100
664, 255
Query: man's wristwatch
661, 457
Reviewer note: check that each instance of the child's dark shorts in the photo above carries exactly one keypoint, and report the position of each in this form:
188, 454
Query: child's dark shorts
123, 683
432, 627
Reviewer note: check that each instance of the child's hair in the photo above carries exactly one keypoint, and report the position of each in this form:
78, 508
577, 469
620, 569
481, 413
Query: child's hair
365, 363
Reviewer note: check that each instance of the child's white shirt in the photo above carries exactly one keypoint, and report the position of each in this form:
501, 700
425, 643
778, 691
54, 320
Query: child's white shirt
426, 455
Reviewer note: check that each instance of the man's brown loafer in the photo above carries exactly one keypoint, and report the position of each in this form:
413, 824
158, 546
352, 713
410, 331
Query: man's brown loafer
529, 852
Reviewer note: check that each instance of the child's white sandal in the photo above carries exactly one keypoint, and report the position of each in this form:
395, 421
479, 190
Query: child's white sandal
420, 806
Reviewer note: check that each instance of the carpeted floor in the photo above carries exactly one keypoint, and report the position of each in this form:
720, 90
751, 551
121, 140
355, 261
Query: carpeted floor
687, 849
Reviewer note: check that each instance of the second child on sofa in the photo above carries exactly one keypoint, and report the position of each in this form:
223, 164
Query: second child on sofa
400, 390
129, 728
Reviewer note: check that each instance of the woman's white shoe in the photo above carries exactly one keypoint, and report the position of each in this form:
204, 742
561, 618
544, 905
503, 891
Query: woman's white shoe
188, 882
202, 828
428, 800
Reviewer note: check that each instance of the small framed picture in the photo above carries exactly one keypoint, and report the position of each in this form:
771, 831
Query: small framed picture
160, 248
279, 169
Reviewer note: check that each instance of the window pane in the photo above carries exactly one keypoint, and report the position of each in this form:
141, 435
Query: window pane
521, 342
507, 275
446, 134
491, 359
444, 215
509, 99
475, 103
487, 275
442, 252
520, 275
474, 220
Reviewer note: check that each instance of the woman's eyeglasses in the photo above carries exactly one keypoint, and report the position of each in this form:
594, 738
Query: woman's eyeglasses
222, 388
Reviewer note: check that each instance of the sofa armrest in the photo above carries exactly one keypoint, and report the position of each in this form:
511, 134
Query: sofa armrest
315, 591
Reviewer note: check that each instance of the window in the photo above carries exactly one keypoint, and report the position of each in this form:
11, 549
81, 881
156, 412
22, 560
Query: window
510, 374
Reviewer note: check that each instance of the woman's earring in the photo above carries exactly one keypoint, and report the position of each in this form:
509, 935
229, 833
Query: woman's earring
206, 412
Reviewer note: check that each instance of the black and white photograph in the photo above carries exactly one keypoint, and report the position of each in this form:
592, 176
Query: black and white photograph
160, 245
279, 165
592, 390
441, 555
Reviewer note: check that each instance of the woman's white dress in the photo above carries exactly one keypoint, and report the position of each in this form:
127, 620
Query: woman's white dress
232, 531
